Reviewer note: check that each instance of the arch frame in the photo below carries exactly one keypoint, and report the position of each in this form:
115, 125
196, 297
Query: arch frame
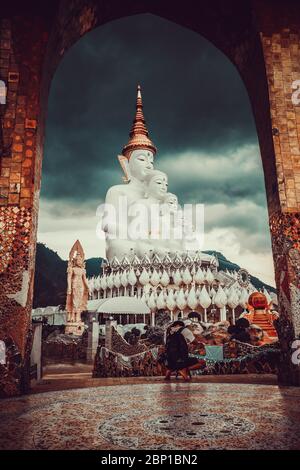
262, 40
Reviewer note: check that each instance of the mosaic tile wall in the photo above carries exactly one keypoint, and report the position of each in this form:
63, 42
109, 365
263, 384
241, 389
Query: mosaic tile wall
22, 45
282, 59
263, 360
32, 44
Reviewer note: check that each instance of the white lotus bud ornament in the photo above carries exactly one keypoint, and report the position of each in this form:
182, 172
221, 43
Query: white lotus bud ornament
117, 280
204, 298
97, 283
181, 300
165, 280
155, 278
110, 281
177, 278
124, 279
170, 302
103, 282
243, 300
209, 277
220, 298
192, 300
132, 280
204, 301
160, 302
152, 302
199, 276
233, 299
186, 277
144, 277
212, 294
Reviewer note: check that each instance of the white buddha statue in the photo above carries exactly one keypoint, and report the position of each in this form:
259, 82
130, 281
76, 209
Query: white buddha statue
136, 161
147, 211
172, 218
143, 187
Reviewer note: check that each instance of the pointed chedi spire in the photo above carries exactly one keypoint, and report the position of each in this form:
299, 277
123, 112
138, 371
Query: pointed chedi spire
139, 136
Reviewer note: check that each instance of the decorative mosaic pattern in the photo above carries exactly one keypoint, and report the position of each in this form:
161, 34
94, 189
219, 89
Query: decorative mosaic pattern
15, 293
10, 372
154, 416
15, 225
195, 426
285, 230
22, 49
263, 360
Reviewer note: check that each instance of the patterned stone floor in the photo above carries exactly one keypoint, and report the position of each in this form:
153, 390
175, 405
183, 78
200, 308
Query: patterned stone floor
155, 416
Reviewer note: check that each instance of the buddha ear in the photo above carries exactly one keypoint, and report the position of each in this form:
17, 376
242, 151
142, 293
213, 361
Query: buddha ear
125, 167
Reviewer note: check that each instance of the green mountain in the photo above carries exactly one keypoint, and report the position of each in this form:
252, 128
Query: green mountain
50, 283
224, 264
93, 266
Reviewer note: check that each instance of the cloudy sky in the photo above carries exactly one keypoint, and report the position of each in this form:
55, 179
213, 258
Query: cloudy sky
198, 115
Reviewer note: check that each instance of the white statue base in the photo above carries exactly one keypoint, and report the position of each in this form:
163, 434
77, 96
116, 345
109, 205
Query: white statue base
75, 329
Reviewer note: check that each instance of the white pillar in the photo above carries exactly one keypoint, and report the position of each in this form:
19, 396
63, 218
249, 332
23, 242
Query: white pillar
223, 314
205, 315
93, 340
152, 318
233, 316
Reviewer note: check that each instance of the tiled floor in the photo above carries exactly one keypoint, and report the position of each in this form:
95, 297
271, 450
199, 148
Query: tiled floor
155, 415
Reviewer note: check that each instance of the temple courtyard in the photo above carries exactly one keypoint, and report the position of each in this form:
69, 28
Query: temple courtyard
242, 412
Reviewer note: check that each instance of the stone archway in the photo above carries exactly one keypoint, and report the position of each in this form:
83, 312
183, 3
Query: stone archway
261, 38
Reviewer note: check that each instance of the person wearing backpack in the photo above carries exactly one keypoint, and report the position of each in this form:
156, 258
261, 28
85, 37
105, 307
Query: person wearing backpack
177, 351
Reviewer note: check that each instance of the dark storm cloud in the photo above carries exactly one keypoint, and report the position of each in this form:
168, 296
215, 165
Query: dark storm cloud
194, 100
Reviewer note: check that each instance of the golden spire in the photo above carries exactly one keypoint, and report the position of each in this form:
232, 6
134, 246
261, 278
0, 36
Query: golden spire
139, 136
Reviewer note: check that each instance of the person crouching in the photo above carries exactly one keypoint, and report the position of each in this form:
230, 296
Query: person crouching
177, 351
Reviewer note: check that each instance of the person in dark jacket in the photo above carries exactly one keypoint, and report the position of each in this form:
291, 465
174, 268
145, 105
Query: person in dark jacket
177, 352
239, 331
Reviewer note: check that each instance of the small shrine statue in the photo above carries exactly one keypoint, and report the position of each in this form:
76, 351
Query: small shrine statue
77, 293
261, 316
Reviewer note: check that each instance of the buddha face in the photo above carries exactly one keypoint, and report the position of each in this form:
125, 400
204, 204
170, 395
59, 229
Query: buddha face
157, 185
140, 163
172, 202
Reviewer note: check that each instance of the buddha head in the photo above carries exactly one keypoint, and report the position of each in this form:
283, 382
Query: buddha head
140, 163
139, 152
157, 185
171, 202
